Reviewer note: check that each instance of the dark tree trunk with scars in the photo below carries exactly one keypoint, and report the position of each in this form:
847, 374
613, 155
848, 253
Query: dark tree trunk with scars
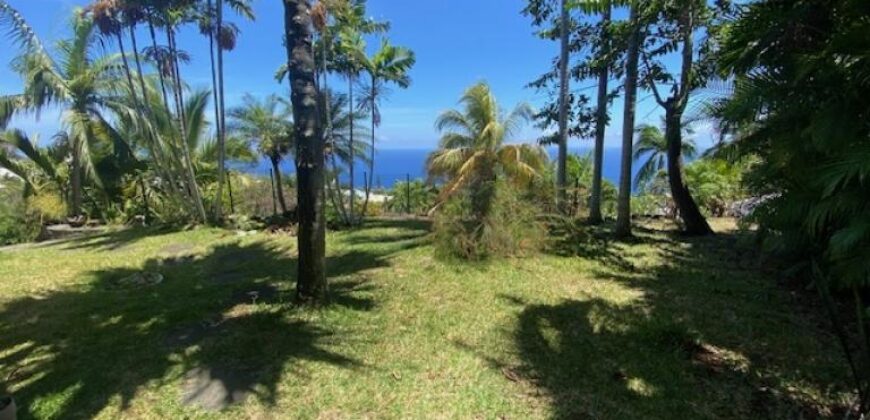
600, 126
311, 283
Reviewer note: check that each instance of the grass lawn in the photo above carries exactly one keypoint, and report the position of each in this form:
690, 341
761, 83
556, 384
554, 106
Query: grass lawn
662, 327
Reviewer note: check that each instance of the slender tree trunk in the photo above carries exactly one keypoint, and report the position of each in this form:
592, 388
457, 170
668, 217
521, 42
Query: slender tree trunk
371, 173
311, 283
230, 192
693, 220
351, 151
192, 186
216, 99
138, 62
600, 124
159, 70
127, 71
279, 188
76, 178
222, 152
335, 195
623, 208
562, 165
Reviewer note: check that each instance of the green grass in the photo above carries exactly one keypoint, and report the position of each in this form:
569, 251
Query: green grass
657, 328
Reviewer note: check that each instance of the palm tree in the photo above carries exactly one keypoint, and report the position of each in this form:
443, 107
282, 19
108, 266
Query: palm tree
75, 80
268, 123
472, 153
390, 64
311, 285
341, 118
211, 23
652, 147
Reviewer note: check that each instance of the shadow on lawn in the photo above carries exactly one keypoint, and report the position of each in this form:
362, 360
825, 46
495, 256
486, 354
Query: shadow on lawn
221, 323
709, 339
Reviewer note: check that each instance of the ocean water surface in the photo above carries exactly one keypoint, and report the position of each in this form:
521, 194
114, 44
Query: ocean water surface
393, 165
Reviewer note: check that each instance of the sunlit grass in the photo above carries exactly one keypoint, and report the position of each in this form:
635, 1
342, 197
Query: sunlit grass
659, 327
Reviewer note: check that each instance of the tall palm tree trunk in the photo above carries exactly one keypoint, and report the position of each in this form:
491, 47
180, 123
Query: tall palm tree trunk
126, 64
311, 285
562, 164
600, 124
351, 151
182, 122
279, 188
371, 175
222, 152
76, 179
160, 75
623, 207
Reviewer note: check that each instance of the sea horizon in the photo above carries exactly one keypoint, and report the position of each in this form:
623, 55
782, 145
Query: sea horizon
392, 165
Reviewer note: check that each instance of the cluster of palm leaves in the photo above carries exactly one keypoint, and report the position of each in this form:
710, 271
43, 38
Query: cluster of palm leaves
121, 127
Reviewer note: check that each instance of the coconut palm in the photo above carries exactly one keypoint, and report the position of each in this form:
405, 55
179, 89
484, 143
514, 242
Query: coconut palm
77, 80
267, 123
652, 148
473, 152
211, 24
390, 64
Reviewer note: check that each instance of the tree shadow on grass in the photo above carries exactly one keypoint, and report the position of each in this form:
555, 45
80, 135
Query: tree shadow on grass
222, 324
709, 337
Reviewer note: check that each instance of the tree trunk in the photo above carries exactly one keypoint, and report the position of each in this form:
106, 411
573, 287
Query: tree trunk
693, 220
214, 95
600, 125
371, 175
222, 152
351, 151
562, 165
192, 186
159, 70
279, 188
311, 285
623, 208
127, 71
76, 179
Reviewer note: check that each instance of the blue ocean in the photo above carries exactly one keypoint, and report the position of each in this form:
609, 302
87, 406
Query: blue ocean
393, 165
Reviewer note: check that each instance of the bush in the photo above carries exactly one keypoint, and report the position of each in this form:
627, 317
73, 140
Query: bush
15, 224
510, 229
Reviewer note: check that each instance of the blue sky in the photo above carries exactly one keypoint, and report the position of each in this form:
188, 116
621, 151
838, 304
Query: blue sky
457, 42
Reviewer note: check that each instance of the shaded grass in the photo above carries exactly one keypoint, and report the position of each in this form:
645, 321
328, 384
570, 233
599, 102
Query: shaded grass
658, 327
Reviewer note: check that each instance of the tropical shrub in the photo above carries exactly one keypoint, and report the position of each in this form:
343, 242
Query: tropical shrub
715, 183
416, 197
513, 227
801, 72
